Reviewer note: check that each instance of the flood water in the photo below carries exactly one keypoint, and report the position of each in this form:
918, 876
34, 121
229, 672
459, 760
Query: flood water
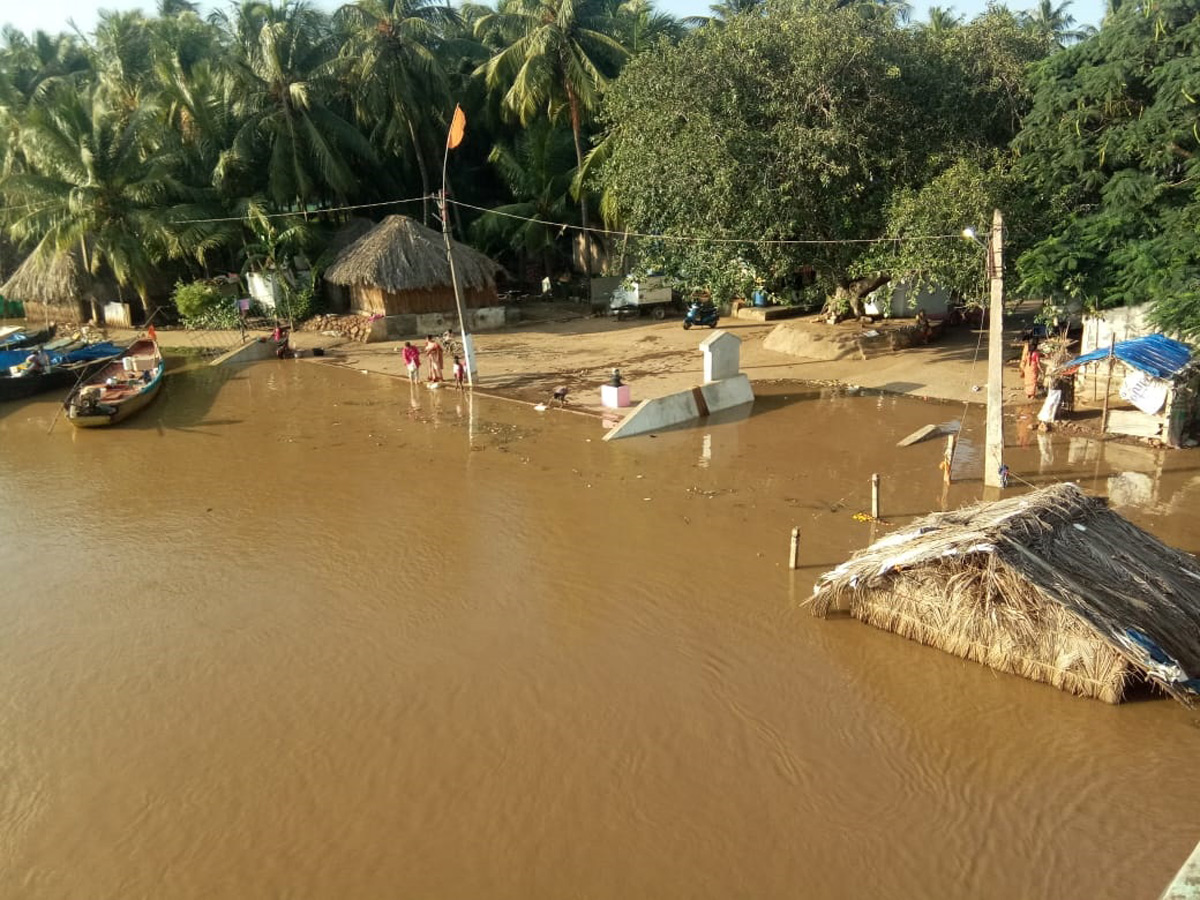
296, 631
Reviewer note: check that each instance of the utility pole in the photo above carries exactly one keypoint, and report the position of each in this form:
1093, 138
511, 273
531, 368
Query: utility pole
468, 350
458, 123
993, 453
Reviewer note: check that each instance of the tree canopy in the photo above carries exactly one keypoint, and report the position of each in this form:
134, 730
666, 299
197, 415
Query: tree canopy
1111, 149
816, 125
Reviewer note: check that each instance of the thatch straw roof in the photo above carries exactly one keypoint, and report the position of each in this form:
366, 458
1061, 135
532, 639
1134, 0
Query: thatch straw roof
37, 280
1051, 585
400, 254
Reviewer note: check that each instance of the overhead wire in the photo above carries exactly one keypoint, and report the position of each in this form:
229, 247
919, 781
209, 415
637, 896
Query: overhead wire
563, 226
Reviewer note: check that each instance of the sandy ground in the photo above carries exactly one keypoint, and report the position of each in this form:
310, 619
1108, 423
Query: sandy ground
562, 344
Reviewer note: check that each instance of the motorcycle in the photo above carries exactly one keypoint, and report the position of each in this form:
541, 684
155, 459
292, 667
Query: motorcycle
701, 314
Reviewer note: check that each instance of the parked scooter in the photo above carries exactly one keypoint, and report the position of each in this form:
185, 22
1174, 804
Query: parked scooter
701, 314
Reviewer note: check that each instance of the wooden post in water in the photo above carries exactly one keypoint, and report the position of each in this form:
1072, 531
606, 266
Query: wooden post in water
794, 557
875, 495
993, 448
1112, 343
948, 461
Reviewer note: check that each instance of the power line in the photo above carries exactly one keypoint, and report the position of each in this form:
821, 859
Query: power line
563, 226
307, 212
713, 240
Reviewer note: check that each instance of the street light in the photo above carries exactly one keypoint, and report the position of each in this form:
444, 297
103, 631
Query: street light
971, 235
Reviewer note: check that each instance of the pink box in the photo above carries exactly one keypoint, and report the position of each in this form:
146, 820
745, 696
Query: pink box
615, 397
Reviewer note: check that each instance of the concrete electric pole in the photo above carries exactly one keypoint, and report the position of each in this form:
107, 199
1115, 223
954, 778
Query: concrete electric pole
993, 453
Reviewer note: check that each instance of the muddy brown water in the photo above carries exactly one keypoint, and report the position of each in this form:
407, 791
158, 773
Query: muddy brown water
297, 631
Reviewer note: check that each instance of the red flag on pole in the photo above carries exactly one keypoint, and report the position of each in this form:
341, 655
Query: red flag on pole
457, 127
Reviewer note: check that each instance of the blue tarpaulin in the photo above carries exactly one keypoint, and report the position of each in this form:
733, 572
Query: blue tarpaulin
1154, 354
88, 353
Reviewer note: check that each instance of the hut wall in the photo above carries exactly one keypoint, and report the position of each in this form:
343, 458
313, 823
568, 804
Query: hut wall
369, 300
1023, 636
66, 312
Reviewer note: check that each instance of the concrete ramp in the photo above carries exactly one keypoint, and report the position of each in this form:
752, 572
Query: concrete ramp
251, 351
682, 407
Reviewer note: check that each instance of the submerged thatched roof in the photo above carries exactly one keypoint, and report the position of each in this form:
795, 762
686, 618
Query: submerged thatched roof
400, 254
1025, 584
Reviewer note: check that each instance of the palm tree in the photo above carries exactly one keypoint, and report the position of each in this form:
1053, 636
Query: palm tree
727, 9
641, 26
554, 55
1054, 23
278, 77
942, 19
896, 11
99, 183
537, 169
122, 59
28, 68
391, 55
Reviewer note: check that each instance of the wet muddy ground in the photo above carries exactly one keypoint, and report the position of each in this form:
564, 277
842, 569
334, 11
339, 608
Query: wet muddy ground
297, 630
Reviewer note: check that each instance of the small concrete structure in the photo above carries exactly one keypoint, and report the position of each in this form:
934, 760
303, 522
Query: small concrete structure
615, 397
722, 355
724, 388
251, 351
118, 315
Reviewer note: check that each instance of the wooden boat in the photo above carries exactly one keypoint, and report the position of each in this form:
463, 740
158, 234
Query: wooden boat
69, 365
118, 390
19, 339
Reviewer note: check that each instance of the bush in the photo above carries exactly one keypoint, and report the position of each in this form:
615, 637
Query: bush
198, 298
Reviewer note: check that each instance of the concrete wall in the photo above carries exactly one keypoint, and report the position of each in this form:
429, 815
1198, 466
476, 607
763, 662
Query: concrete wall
935, 301
680, 408
119, 314
251, 351
728, 393
487, 318
1124, 323
656, 414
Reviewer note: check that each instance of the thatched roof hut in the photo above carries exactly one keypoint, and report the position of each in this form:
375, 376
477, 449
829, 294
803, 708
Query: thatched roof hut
1051, 585
400, 266
60, 289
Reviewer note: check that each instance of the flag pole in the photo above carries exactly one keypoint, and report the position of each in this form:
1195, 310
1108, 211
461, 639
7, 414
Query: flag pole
457, 122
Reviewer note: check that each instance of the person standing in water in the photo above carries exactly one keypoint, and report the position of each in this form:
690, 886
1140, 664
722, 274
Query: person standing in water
433, 351
412, 361
460, 374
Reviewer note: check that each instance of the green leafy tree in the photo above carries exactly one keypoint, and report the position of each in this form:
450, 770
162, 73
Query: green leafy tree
809, 124
537, 169
556, 56
1111, 149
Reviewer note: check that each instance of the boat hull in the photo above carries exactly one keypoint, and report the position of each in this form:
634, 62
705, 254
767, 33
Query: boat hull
117, 402
120, 413
18, 388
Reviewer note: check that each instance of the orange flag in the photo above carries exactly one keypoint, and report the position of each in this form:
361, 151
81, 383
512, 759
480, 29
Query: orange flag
457, 127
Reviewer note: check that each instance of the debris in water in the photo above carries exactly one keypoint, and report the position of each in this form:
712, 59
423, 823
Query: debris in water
541, 407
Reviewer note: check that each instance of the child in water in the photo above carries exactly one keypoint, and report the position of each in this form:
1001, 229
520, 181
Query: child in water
460, 373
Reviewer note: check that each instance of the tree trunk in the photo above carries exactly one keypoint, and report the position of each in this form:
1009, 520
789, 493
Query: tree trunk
583, 208
412, 132
853, 291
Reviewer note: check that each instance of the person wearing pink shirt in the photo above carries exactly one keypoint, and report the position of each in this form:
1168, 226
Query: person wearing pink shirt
412, 361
